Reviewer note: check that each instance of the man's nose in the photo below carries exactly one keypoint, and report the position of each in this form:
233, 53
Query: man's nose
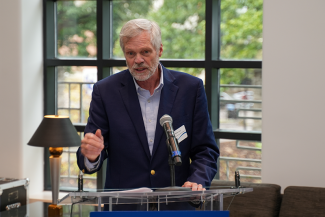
139, 59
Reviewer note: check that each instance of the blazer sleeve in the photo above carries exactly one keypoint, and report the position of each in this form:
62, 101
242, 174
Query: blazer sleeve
204, 150
97, 120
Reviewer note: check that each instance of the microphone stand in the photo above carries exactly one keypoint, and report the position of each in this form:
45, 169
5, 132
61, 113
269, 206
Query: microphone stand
174, 153
172, 170
172, 164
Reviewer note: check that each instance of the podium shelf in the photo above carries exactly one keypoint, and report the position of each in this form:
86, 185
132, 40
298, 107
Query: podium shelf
214, 196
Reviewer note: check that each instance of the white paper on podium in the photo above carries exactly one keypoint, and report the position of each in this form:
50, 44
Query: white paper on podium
137, 190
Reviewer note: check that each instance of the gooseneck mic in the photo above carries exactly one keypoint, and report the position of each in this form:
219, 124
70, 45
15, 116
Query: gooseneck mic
237, 179
166, 122
80, 181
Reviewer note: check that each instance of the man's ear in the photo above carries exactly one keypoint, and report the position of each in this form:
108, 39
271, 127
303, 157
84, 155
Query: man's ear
160, 50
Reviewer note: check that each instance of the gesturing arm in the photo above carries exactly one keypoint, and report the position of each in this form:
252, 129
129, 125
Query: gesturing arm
92, 145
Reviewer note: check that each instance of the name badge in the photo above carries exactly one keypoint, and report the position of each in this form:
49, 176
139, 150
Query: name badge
180, 134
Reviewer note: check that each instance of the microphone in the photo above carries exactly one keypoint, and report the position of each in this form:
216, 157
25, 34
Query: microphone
166, 122
237, 179
80, 181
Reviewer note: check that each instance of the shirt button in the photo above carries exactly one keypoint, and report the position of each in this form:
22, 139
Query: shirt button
150, 120
153, 172
148, 100
151, 140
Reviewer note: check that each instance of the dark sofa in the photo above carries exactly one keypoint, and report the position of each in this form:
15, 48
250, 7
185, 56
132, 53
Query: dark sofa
266, 200
303, 201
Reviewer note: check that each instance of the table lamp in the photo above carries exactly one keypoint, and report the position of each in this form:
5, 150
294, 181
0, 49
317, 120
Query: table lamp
55, 132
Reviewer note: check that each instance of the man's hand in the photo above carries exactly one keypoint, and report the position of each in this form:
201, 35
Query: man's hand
194, 186
92, 145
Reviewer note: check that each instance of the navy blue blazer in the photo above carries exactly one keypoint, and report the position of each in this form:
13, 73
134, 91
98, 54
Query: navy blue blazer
115, 109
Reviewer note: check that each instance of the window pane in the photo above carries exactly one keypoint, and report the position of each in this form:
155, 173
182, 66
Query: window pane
72, 182
63, 112
242, 156
197, 72
241, 99
64, 164
70, 171
75, 86
118, 69
241, 29
76, 29
182, 25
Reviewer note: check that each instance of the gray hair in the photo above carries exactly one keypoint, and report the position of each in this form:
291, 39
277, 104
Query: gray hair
135, 27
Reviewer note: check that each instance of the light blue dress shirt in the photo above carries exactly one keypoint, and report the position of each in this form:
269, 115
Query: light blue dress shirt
149, 107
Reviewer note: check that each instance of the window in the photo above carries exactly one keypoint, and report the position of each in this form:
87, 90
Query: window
219, 41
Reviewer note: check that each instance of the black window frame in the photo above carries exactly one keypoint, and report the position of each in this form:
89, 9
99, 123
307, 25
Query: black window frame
212, 63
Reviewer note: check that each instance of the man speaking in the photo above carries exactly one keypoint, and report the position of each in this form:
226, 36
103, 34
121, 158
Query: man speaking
123, 124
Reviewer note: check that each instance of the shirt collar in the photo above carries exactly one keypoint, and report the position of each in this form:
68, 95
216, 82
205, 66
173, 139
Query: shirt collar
161, 84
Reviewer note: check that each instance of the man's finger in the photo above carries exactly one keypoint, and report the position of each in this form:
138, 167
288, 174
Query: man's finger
99, 134
93, 140
87, 150
90, 147
194, 187
91, 143
187, 184
92, 136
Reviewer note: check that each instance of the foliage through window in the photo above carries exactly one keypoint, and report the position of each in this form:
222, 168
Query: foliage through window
219, 41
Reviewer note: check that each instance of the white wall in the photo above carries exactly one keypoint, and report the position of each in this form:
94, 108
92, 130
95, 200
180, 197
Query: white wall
293, 93
10, 89
21, 90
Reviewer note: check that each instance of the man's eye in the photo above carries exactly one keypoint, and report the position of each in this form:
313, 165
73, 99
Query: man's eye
146, 51
131, 53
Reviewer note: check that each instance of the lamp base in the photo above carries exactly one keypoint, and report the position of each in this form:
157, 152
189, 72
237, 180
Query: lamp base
55, 164
55, 211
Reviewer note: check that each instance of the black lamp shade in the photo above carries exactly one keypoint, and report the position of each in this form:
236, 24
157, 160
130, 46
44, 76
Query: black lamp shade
55, 131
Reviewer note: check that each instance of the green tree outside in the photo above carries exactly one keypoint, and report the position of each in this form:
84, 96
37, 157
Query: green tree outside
183, 31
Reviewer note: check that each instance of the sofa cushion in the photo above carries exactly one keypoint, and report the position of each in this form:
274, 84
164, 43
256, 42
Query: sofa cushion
265, 199
303, 201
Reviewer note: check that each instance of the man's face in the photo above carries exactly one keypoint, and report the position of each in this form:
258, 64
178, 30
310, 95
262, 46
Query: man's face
141, 57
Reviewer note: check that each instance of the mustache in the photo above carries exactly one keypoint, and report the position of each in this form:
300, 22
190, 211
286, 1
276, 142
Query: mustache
135, 65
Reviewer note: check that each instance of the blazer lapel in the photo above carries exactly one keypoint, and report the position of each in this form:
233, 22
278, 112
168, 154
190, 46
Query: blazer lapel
131, 102
167, 98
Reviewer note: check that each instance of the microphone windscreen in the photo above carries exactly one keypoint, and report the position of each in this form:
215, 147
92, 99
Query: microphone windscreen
165, 118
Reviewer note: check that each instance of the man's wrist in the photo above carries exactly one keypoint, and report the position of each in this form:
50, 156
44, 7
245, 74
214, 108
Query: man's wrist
91, 166
93, 161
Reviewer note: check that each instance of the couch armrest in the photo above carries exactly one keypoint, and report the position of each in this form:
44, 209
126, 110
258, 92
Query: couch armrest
264, 201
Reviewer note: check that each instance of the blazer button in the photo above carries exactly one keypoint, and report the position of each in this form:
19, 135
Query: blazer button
153, 172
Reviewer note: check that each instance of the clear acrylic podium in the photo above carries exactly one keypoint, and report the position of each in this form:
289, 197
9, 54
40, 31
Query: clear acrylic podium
211, 199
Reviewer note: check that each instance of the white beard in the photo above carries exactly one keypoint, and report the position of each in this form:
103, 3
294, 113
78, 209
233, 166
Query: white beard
146, 76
